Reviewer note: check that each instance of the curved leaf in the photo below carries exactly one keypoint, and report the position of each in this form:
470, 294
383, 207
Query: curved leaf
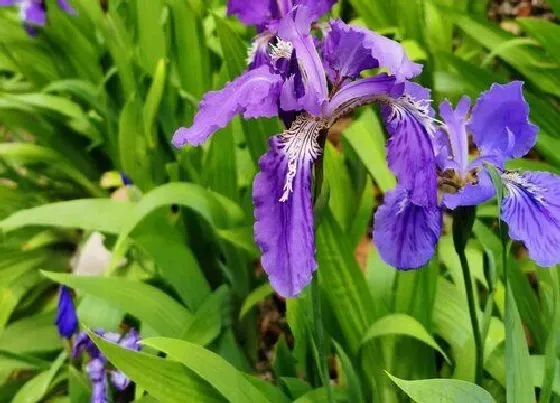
402, 325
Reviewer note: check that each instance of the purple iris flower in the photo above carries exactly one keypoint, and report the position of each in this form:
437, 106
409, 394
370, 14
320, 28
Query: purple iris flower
97, 365
318, 87
66, 317
500, 128
33, 13
407, 233
266, 15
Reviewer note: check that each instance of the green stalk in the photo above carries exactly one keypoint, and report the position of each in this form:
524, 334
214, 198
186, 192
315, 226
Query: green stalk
463, 221
479, 348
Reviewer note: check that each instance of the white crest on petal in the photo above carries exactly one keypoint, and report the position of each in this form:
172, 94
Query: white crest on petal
260, 44
417, 108
282, 50
298, 143
516, 183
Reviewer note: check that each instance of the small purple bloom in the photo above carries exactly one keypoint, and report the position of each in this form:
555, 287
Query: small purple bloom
66, 318
310, 84
96, 367
33, 13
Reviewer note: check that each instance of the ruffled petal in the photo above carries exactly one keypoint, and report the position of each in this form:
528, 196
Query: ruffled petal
254, 12
358, 93
406, 234
317, 8
295, 29
348, 50
131, 340
411, 147
455, 125
531, 207
282, 197
471, 195
65, 5
500, 122
66, 317
254, 94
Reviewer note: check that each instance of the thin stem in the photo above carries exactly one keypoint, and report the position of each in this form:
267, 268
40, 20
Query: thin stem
479, 352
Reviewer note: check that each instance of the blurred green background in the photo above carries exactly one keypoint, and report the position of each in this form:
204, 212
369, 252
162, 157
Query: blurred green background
100, 93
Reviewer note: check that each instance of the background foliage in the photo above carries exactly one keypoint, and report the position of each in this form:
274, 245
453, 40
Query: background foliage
104, 92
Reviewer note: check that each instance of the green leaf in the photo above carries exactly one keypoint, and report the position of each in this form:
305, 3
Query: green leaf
153, 101
210, 206
443, 390
104, 215
402, 325
351, 378
35, 389
32, 334
242, 238
32, 154
546, 32
211, 367
254, 298
151, 34
207, 321
166, 380
366, 138
145, 302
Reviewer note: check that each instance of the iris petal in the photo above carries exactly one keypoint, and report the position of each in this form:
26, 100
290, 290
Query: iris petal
531, 207
66, 317
65, 5
411, 149
283, 207
254, 94
471, 195
348, 50
405, 233
295, 28
500, 122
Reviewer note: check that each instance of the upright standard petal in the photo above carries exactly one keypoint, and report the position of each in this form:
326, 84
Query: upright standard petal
295, 29
317, 8
284, 209
531, 207
406, 234
455, 128
500, 122
253, 12
66, 318
348, 50
411, 148
254, 94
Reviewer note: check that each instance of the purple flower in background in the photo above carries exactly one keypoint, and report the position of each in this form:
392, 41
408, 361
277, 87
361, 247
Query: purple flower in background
310, 90
33, 13
66, 318
501, 130
97, 365
407, 233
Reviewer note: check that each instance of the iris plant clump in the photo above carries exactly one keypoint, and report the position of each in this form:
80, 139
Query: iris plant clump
309, 75
33, 13
97, 366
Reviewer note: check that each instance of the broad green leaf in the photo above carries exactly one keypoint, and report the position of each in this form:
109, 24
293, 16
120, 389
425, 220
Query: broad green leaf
254, 298
341, 193
211, 367
443, 390
209, 205
145, 302
103, 215
32, 334
402, 325
207, 323
375, 13
242, 238
546, 32
175, 260
366, 137
35, 389
166, 380
321, 396
79, 389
